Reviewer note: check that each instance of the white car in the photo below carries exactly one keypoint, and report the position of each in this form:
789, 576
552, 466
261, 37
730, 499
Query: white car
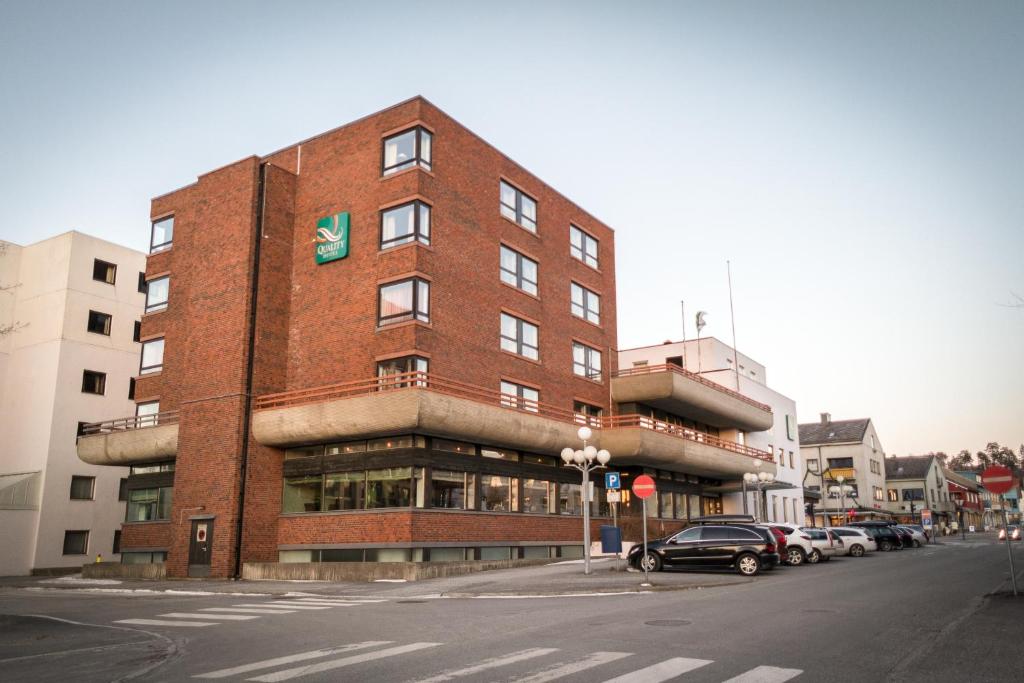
919, 538
798, 544
825, 544
856, 541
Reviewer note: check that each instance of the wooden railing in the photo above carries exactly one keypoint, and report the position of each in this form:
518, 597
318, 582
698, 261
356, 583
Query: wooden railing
448, 387
649, 369
134, 422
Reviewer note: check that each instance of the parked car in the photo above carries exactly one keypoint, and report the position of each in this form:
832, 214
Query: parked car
744, 547
917, 527
906, 538
883, 533
824, 544
781, 540
798, 544
917, 537
857, 541
1014, 533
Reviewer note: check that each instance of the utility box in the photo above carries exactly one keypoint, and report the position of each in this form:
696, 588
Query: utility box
611, 539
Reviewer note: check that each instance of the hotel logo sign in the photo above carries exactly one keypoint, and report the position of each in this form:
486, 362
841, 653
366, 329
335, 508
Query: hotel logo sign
332, 237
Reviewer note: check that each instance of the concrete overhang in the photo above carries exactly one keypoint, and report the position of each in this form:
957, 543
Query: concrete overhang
690, 396
645, 447
130, 446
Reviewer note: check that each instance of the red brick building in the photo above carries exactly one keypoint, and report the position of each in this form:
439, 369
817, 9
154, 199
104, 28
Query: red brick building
372, 345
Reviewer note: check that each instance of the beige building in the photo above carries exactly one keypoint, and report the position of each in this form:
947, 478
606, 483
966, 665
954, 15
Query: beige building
69, 308
844, 453
915, 483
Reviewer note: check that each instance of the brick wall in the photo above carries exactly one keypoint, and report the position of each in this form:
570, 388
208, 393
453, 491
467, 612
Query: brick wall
145, 536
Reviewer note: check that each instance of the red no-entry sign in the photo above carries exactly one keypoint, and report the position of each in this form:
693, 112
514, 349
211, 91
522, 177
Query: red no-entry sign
643, 486
997, 479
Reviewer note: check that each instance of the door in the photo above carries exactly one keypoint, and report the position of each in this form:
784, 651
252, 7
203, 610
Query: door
200, 547
684, 548
718, 545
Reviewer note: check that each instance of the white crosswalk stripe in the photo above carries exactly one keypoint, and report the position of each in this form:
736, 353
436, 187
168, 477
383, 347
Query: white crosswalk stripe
558, 671
291, 659
288, 674
246, 610
329, 603
350, 601
662, 671
493, 663
197, 615
271, 605
296, 603
164, 622
766, 674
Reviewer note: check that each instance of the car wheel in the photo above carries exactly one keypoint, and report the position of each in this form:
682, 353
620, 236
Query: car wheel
795, 556
884, 546
814, 557
857, 550
748, 564
651, 562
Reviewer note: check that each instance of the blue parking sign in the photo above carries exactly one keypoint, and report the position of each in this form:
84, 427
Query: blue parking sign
612, 480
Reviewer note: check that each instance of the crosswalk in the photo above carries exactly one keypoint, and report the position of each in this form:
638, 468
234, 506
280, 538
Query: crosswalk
532, 665
244, 611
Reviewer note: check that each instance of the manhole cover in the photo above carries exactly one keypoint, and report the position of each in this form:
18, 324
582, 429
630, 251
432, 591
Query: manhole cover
668, 622
409, 602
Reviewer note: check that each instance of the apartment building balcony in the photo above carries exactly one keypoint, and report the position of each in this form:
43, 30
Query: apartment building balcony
130, 440
429, 404
847, 473
678, 391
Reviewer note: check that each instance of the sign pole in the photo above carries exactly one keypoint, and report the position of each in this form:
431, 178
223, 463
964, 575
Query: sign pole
644, 562
1009, 548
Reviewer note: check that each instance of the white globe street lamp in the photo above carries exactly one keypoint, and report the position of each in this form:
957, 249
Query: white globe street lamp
584, 461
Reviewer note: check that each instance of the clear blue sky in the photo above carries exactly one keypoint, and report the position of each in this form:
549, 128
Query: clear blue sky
859, 163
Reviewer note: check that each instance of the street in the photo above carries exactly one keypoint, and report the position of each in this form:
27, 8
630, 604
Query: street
903, 616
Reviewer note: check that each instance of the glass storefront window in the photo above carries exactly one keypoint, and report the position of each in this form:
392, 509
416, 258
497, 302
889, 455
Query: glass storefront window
680, 505
392, 442
652, 504
348, 447
499, 494
389, 488
454, 446
302, 494
452, 490
344, 490
147, 505
499, 454
496, 553
665, 509
570, 499
304, 452
447, 554
538, 496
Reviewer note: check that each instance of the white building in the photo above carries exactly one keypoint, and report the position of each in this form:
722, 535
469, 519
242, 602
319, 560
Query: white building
69, 307
716, 361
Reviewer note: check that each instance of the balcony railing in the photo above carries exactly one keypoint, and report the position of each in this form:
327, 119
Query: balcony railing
134, 422
649, 369
449, 387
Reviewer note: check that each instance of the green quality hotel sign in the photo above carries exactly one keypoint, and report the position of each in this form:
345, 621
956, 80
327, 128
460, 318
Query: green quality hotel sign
332, 237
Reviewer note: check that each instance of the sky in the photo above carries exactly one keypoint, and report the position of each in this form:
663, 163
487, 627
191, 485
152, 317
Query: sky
859, 164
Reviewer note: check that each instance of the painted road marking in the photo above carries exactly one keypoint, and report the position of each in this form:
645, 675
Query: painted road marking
310, 601
556, 672
663, 671
288, 674
766, 674
245, 610
493, 663
296, 603
291, 659
196, 615
162, 622
270, 605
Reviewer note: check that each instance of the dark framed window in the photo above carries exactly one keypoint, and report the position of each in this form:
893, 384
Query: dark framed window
162, 235
586, 361
840, 462
587, 414
403, 224
83, 488
407, 149
518, 270
94, 382
147, 414
499, 494
518, 206
518, 396
76, 542
99, 323
452, 490
913, 494
122, 489
137, 333
585, 303
142, 282
388, 369
117, 542
131, 388
148, 505
152, 356
519, 337
583, 246
103, 271
404, 300
157, 291
81, 430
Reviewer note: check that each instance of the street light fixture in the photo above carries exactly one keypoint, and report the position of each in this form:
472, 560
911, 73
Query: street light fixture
758, 480
584, 461
841, 492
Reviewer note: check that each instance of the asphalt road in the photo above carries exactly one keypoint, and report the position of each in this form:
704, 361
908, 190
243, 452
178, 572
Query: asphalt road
914, 615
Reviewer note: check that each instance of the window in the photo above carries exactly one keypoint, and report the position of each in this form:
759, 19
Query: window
403, 224
518, 270
150, 469
82, 488
585, 303
452, 490
582, 246
520, 397
586, 361
519, 337
913, 494
791, 465
518, 207
303, 494
147, 414
99, 323
117, 542
402, 301
499, 494
156, 293
131, 388
103, 271
538, 496
149, 505
389, 488
76, 542
162, 235
122, 489
453, 446
790, 427
94, 382
81, 430
152, 356
570, 499
344, 491
142, 282
137, 332
893, 495
587, 414
393, 442
407, 150
812, 465
499, 454
144, 557
840, 462
394, 373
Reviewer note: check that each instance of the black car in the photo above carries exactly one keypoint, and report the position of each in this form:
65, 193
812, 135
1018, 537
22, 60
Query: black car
745, 547
884, 533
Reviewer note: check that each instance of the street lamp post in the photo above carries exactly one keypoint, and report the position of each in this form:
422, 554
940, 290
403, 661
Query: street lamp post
764, 479
758, 481
583, 460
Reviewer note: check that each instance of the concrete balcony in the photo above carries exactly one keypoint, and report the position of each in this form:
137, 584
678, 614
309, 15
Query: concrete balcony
847, 473
684, 393
428, 404
130, 440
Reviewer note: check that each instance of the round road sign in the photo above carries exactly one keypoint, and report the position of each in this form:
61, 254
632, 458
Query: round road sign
997, 479
643, 486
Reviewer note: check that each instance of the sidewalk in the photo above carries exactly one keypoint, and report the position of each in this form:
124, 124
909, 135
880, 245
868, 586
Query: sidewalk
562, 578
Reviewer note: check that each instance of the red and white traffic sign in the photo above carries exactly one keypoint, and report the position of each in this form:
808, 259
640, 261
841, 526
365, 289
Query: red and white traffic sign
643, 486
997, 479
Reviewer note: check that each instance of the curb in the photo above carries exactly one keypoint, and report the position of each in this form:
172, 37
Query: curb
593, 592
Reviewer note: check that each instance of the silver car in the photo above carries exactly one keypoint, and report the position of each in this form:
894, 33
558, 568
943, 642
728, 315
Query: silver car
919, 538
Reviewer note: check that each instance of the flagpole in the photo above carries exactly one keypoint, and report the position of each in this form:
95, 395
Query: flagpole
732, 316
